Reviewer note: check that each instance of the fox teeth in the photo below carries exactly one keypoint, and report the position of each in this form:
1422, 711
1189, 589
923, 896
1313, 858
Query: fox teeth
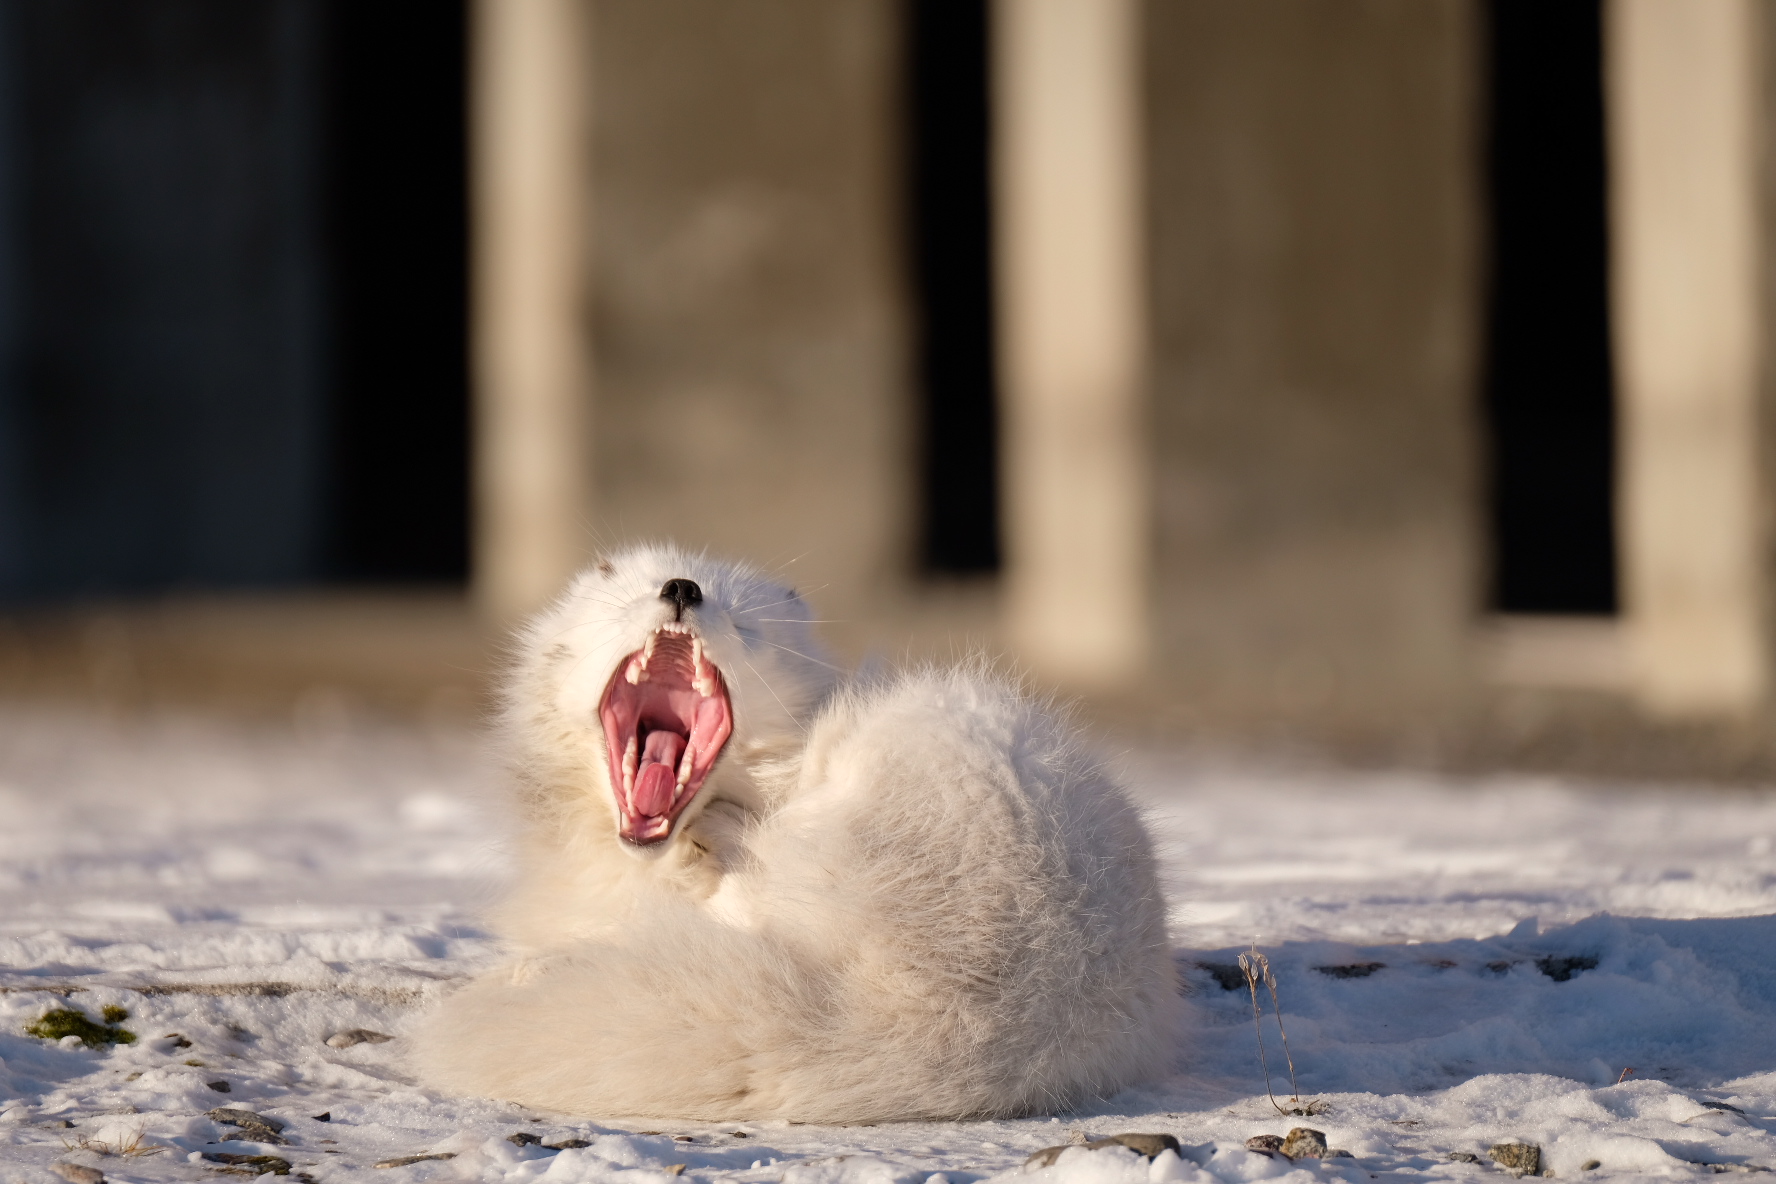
684, 772
702, 674
630, 758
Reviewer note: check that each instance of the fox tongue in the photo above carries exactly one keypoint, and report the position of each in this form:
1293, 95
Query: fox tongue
657, 776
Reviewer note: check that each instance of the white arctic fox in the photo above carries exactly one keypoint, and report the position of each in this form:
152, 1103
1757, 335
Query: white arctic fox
750, 889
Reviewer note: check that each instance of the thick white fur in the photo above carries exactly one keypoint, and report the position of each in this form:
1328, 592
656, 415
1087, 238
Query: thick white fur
915, 897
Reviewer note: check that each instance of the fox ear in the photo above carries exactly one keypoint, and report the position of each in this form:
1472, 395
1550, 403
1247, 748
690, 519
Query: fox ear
605, 568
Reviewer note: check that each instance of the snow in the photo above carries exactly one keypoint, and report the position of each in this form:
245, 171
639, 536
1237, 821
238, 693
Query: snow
1503, 950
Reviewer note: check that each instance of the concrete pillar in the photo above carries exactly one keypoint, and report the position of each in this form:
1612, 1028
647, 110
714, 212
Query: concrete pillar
531, 369
1685, 127
1316, 222
1072, 304
752, 366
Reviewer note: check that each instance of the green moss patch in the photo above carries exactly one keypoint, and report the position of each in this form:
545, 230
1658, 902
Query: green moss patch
65, 1021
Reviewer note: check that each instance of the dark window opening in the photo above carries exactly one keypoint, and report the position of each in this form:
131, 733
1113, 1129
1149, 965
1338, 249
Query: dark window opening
398, 235
166, 352
232, 288
1549, 397
951, 231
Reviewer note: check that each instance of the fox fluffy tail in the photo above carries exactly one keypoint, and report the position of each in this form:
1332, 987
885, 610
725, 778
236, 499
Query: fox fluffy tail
702, 1020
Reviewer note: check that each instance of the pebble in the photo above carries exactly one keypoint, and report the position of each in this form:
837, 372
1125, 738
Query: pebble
1463, 1157
1148, 1146
1264, 1143
1305, 1143
567, 1144
266, 1163
78, 1173
354, 1036
221, 1087
1523, 1158
256, 1127
524, 1139
404, 1160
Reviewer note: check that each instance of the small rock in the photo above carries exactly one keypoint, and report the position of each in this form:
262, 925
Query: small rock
78, 1173
567, 1144
178, 1040
684, 1138
1305, 1143
323, 1116
1226, 974
524, 1139
59, 1124
254, 1127
1523, 1158
1590, 1165
1148, 1146
1355, 970
675, 1169
265, 1163
234, 1116
221, 1087
1562, 969
404, 1160
1338, 1153
1264, 1143
353, 1036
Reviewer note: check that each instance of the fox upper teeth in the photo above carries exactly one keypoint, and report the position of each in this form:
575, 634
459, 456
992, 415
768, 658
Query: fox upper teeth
702, 673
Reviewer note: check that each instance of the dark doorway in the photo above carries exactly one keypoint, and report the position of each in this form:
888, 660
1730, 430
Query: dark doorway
952, 264
167, 359
232, 288
1549, 395
399, 418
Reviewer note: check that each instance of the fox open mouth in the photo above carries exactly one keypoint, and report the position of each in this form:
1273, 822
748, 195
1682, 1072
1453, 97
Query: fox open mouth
666, 718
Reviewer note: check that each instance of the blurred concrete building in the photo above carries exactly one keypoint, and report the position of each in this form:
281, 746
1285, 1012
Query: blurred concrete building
1391, 373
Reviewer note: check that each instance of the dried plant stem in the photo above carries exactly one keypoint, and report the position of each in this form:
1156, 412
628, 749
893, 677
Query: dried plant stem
1250, 964
1276, 1005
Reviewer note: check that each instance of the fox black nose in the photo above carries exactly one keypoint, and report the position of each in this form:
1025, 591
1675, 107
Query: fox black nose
683, 594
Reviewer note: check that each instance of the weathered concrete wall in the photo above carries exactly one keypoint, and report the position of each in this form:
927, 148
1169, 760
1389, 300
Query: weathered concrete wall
1315, 224
748, 303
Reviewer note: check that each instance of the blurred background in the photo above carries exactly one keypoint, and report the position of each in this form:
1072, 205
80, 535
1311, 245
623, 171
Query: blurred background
1388, 379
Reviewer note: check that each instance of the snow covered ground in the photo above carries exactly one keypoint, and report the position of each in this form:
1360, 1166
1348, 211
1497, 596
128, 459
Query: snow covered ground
1460, 964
